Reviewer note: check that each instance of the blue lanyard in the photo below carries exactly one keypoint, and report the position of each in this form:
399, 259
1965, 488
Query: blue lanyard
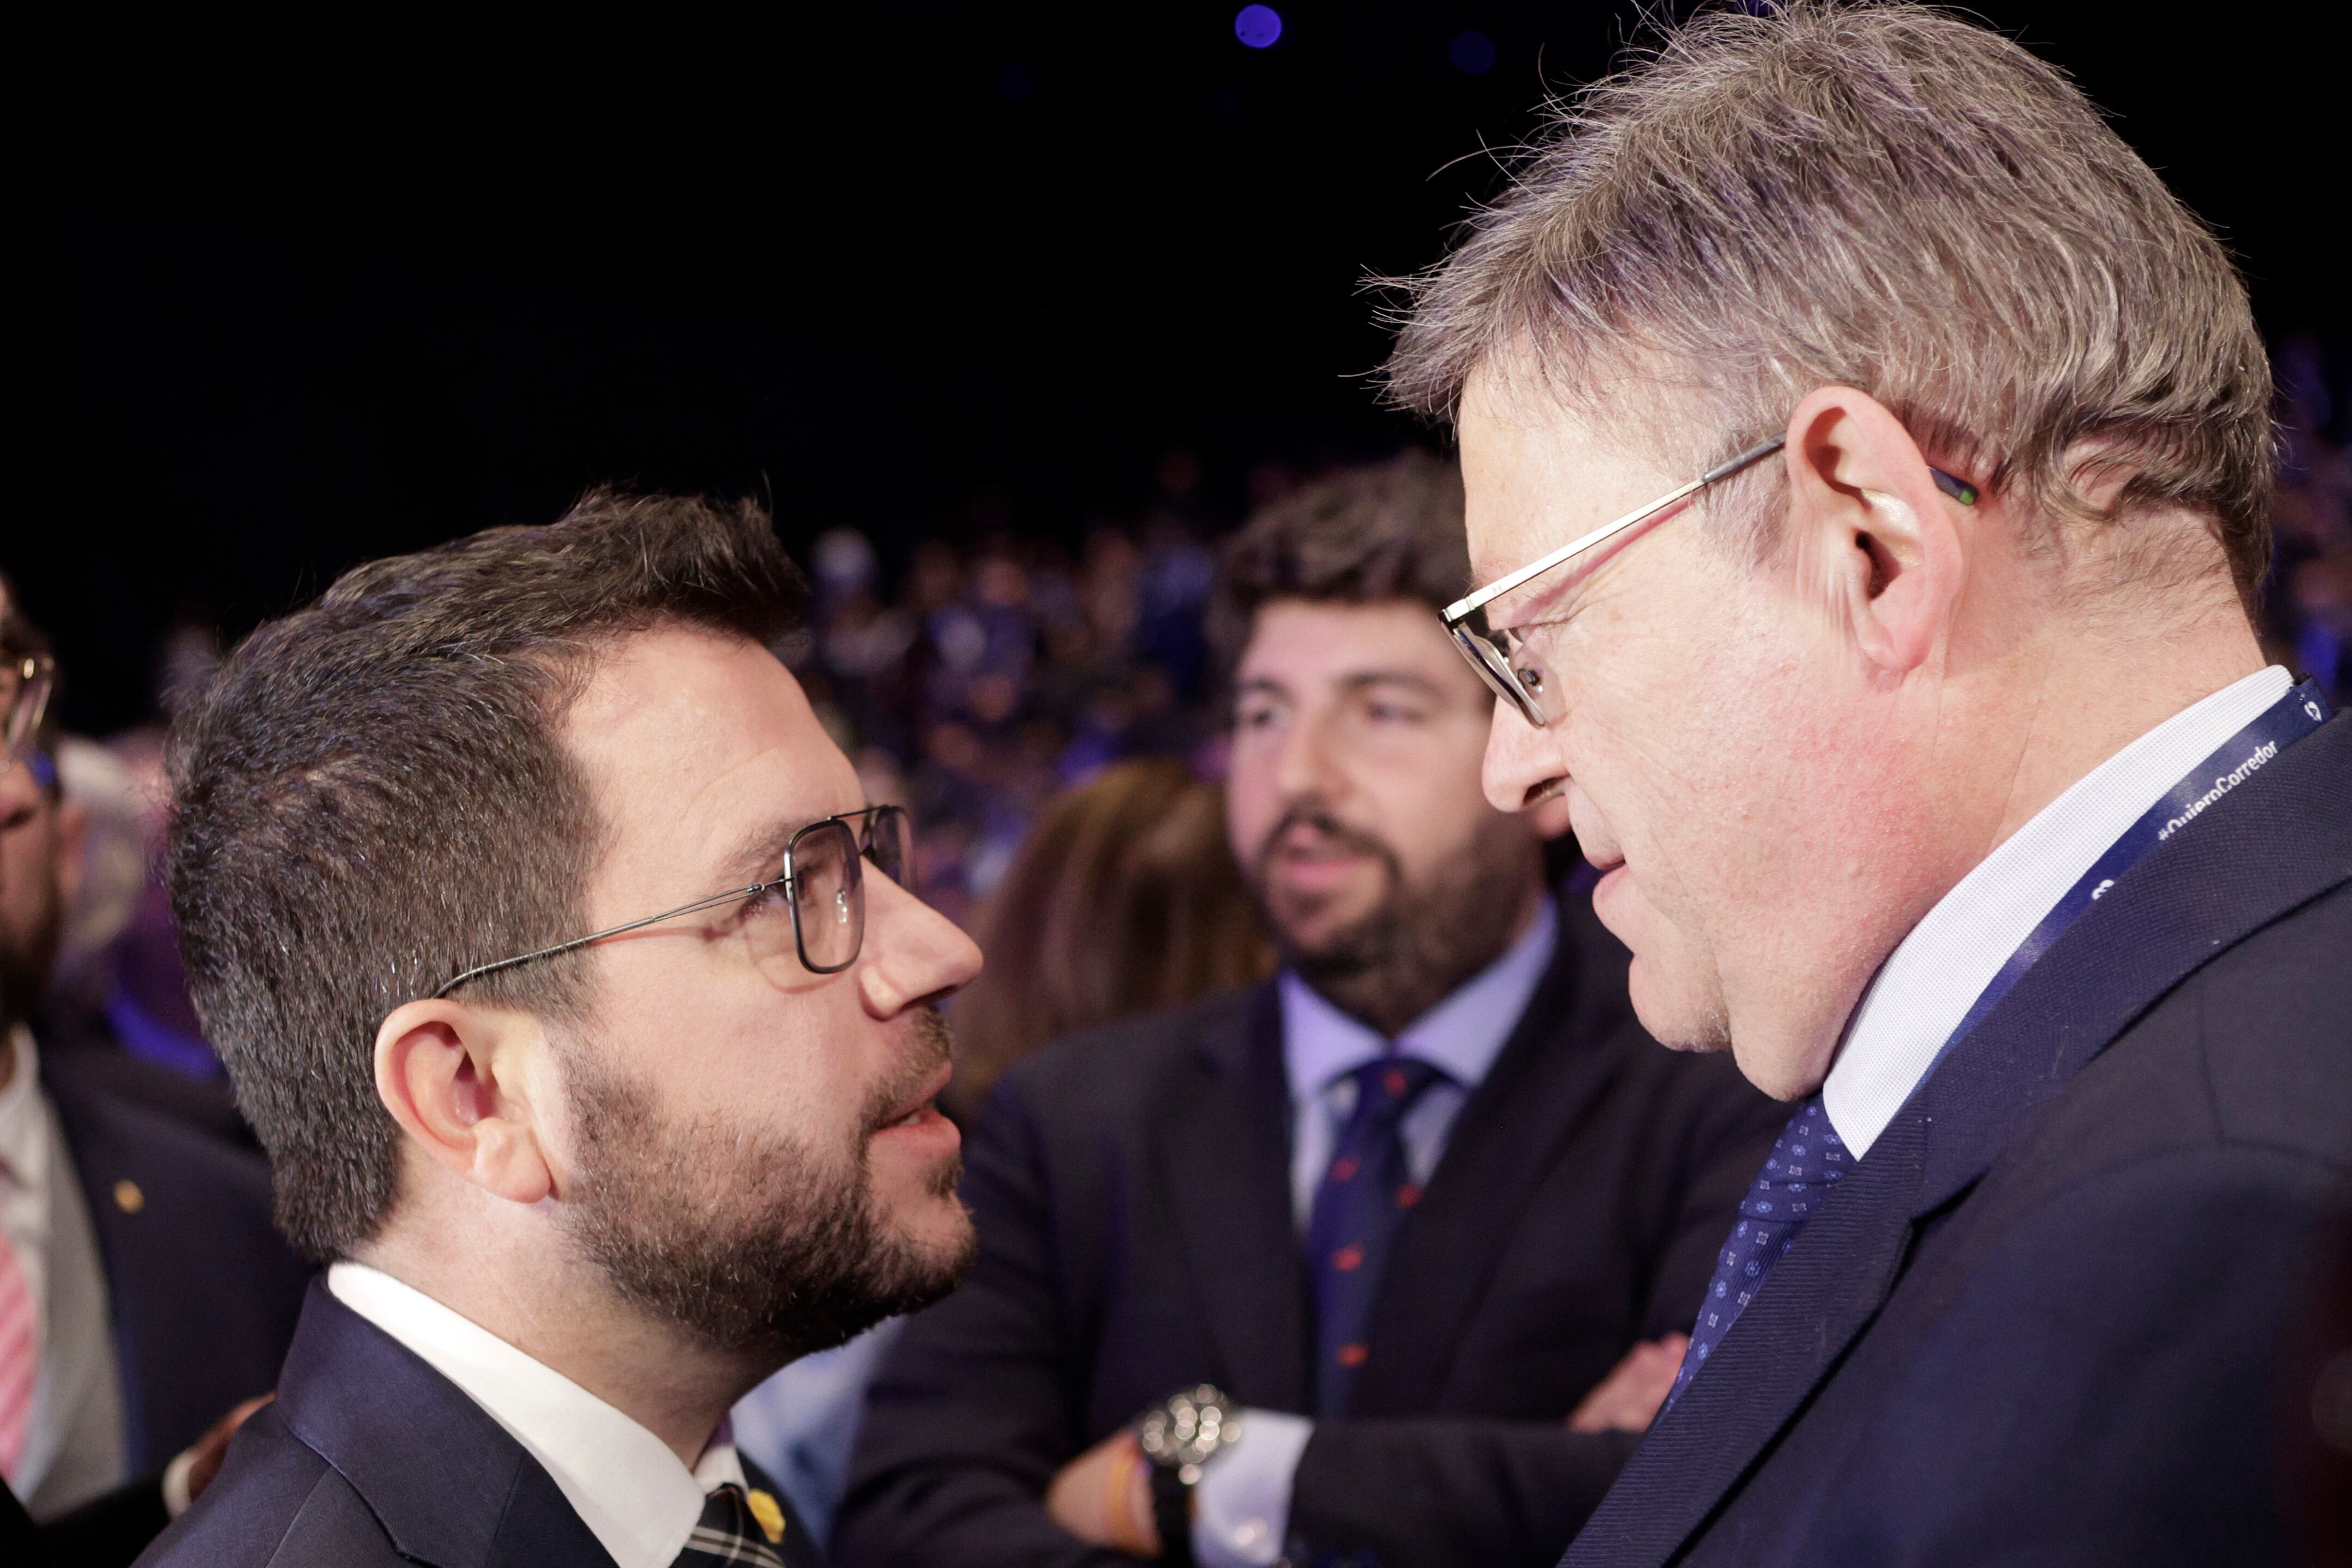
2241, 756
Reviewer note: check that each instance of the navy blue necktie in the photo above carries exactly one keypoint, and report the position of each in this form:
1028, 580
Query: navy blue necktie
1803, 1165
1366, 1192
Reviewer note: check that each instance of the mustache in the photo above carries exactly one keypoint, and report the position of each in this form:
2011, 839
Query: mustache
933, 1049
1309, 814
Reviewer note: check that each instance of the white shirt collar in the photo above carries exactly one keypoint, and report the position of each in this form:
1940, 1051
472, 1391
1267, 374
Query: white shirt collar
1929, 982
626, 1484
1462, 1033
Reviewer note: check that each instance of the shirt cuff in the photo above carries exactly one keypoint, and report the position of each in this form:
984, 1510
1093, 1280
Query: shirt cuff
1241, 1507
175, 1483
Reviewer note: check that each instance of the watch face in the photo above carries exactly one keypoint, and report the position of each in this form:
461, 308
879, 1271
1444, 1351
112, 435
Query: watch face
1187, 1429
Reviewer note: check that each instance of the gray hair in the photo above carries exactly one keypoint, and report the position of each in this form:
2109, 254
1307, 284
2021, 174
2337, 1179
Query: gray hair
1884, 197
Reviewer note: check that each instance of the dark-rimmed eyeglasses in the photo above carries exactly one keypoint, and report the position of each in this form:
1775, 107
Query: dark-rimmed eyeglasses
822, 890
25, 686
1505, 659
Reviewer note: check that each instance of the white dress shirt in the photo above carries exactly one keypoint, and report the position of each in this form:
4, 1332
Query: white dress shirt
626, 1484
74, 1448
1243, 1496
1929, 982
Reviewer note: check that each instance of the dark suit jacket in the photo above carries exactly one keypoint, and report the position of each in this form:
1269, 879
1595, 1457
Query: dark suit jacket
204, 1291
371, 1456
2039, 1321
1132, 1191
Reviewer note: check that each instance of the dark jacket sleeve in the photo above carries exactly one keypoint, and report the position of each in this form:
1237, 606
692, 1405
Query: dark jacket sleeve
1488, 1494
978, 1405
108, 1531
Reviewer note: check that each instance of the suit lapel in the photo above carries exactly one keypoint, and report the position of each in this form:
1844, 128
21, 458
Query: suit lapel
2275, 844
1223, 1158
449, 1486
1820, 1296
1556, 1062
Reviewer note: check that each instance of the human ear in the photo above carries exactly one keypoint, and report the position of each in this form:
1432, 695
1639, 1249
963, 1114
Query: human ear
454, 1077
1864, 511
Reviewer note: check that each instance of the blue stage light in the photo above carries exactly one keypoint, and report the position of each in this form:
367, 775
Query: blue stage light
1257, 25
1472, 52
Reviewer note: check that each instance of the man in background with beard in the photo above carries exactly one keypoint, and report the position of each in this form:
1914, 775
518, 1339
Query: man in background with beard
572, 988
1427, 1215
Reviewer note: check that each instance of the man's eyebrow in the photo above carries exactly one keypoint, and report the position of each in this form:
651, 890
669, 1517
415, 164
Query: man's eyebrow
1542, 603
759, 855
1363, 679
1255, 684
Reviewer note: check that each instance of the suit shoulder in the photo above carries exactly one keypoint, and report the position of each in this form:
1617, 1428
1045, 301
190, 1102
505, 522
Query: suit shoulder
103, 1124
276, 1504
1118, 1061
2274, 1015
104, 1075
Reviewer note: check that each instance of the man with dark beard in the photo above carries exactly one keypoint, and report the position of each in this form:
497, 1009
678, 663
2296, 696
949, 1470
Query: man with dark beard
143, 1295
1389, 1260
575, 991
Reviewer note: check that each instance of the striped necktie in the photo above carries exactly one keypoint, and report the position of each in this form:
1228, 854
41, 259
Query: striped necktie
736, 1527
19, 1360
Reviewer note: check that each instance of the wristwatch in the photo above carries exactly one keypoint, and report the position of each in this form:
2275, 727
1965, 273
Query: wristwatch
1179, 1436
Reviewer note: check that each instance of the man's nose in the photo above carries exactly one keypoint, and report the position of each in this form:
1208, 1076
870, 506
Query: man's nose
1306, 767
913, 953
1523, 766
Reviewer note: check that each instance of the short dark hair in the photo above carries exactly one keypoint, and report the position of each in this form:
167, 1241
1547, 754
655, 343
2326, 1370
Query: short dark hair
1378, 531
372, 795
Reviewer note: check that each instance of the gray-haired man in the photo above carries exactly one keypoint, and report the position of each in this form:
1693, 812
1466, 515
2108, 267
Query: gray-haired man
1915, 718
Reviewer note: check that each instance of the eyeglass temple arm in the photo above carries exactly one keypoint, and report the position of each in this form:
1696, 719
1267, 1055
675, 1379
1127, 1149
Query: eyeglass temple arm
713, 902
1461, 608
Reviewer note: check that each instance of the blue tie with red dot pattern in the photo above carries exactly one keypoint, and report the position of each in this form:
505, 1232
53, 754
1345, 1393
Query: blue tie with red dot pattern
1803, 1165
1365, 1194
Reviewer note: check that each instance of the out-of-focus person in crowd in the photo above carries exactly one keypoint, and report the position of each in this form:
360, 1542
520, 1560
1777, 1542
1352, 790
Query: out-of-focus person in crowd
1124, 900
569, 980
142, 1290
1422, 1219
1936, 772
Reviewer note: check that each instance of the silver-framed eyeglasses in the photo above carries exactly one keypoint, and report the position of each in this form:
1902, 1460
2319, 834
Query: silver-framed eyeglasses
1507, 660
822, 888
25, 686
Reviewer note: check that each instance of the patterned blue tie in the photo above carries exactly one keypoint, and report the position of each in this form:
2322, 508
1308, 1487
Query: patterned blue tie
1364, 1196
1803, 1165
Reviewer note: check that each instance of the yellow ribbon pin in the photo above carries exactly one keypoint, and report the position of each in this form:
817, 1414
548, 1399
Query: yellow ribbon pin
767, 1512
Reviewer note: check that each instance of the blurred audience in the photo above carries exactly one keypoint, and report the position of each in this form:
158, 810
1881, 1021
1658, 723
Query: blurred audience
1429, 1209
1124, 900
143, 1291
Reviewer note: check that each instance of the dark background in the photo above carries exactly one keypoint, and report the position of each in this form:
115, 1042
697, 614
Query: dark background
284, 297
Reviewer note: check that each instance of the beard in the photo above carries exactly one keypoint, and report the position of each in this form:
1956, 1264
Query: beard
28, 957
758, 1246
1419, 941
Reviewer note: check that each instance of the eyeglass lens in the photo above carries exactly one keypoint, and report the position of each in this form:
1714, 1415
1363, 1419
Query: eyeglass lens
25, 691
825, 865
1509, 666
